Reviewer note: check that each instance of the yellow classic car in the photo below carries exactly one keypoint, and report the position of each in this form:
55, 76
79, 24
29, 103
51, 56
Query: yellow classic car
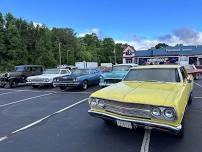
152, 96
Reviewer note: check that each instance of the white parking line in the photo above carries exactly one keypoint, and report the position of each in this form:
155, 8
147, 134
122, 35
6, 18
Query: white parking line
146, 140
85, 92
3, 105
198, 84
198, 97
6, 93
40, 120
30, 90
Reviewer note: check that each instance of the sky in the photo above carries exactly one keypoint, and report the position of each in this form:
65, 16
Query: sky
140, 23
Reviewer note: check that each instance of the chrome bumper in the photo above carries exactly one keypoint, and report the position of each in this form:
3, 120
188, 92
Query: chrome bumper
67, 84
140, 123
39, 83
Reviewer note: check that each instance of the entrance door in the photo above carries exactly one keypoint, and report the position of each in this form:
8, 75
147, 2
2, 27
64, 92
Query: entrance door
128, 60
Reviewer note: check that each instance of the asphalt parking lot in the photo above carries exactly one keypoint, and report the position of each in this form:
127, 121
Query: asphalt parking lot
48, 120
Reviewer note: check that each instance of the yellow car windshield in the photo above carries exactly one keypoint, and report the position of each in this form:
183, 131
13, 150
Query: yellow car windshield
153, 75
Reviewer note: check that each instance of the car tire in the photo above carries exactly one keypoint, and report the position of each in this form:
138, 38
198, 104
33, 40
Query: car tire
62, 87
197, 77
84, 85
12, 84
53, 86
190, 99
35, 86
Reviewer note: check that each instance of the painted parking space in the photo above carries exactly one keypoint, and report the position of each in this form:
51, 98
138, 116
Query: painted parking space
74, 130
18, 95
18, 115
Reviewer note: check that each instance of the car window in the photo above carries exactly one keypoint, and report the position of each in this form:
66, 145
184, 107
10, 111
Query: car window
153, 74
36, 69
52, 71
80, 71
19, 69
64, 72
121, 67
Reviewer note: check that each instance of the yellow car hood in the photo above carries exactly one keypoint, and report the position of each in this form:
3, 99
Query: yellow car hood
152, 93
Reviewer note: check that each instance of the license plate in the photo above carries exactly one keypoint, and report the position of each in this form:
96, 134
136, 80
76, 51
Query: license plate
124, 124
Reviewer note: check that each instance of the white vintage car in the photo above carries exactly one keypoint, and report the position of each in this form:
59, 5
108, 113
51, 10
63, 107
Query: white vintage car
47, 77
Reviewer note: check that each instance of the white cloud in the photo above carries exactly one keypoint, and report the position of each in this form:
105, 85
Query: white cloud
97, 31
36, 23
185, 36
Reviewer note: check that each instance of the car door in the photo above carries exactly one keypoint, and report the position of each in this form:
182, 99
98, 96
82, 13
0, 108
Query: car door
187, 85
95, 76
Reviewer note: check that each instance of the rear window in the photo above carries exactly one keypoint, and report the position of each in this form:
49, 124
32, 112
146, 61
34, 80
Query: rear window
153, 75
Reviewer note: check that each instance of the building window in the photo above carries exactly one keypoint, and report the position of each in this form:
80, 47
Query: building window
200, 61
193, 60
128, 52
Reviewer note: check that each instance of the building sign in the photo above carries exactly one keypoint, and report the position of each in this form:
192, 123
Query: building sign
173, 50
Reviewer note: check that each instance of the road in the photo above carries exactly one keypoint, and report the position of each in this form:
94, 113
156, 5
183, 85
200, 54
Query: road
48, 120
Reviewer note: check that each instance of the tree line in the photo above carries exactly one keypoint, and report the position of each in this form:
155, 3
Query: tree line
23, 42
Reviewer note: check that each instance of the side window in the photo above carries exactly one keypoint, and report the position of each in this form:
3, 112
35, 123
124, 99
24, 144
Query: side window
184, 74
28, 69
36, 69
63, 72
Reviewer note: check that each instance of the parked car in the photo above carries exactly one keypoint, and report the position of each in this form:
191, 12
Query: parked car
47, 77
19, 75
153, 96
117, 73
191, 69
79, 78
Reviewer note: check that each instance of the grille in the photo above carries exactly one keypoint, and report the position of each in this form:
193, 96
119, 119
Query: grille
37, 80
112, 80
128, 109
66, 79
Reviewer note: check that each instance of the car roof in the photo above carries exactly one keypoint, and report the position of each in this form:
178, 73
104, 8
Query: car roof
156, 66
131, 64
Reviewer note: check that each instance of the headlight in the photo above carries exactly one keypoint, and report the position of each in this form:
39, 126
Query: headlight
75, 79
46, 80
101, 78
7, 75
164, 113
98, 103
156, 112
169, 113
29, 80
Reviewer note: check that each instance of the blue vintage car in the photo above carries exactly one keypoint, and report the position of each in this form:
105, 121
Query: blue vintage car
80, 78
116, 75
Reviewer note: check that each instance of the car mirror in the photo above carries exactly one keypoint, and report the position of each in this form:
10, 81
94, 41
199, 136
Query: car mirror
189, 81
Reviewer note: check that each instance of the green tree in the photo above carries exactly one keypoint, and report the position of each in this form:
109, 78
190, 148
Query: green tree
107, 51
68, 42
2, 41
44, 50
16, 49
160, 45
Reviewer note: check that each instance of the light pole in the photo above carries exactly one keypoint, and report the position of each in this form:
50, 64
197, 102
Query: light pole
67, 55
59, 53
114, 55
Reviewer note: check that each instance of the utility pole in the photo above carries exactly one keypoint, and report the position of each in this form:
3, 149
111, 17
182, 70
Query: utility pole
67, 56
59, 54
114, 55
